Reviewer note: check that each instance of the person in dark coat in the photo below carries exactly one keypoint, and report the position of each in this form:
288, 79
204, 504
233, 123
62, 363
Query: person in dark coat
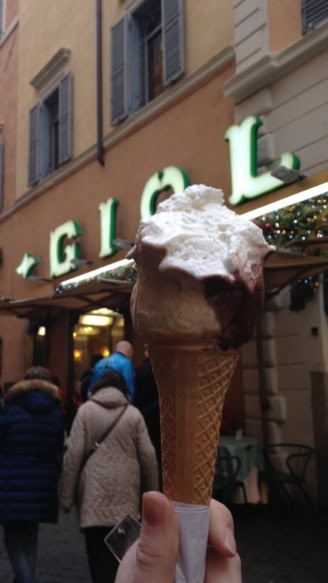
146, 400
31, 441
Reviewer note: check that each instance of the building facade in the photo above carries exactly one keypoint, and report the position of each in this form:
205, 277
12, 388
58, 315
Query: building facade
281, 76
96, 99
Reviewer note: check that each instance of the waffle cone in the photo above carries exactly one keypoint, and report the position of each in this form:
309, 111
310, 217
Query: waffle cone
192, 381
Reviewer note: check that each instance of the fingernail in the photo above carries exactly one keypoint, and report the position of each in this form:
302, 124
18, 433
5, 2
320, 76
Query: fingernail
229, 540
153, 514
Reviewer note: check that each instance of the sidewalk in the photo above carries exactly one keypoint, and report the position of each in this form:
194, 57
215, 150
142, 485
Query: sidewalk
281, 545
61, 557
276, 546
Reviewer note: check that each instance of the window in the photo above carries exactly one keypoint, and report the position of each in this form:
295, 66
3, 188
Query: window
313, 13
50, 132
146, 55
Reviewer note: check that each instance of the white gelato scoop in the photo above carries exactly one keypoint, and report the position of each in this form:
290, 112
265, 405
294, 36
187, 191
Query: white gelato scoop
200, 270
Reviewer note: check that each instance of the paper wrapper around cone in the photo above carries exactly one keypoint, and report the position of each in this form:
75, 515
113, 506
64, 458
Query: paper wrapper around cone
192, 381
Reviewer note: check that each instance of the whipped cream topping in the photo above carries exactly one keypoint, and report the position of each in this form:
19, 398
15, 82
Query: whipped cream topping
205, 239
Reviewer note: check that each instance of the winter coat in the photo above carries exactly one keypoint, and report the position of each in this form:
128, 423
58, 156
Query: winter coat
121, 364
147, 401
109, 486
31, 440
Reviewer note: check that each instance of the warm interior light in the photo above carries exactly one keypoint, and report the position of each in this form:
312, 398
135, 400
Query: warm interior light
105, 352
287, 201
77, 354
93, 320
93, 274
41, 331
104, 312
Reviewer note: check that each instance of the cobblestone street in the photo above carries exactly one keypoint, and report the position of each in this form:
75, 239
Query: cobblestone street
61, 557
275, 547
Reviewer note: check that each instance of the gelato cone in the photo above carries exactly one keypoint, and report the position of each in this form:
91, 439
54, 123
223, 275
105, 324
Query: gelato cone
192, 381
197, 298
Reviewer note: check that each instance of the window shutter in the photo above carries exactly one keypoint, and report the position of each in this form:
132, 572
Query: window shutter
2, 167
173, 40
34, 145
313, 12
119, 97
65, 118
134, 46
44, 141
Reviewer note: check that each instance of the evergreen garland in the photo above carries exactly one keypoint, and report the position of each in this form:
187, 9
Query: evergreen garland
298, 222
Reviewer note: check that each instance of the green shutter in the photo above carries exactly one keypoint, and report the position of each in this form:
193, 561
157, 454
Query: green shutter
173, 40
119, 96
313, 12
65, 118
134, 71
34, 145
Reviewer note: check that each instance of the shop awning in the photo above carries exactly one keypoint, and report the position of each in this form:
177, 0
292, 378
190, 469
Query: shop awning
281, 269
89, 296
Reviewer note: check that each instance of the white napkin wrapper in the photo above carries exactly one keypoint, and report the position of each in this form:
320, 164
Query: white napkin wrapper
193, 524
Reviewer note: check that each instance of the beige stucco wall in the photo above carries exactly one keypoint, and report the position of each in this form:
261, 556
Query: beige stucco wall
192, 137
10, 12
285, 24
8, 104
47, 26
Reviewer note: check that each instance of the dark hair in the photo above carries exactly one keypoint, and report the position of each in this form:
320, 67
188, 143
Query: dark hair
95, 358
111, 378
38, 372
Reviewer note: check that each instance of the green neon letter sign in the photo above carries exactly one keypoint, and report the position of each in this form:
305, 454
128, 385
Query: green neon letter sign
61, 256
170, 177
243, 160
108, 212
27, 265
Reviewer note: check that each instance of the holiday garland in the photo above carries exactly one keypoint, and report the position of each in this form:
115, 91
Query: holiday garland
299, 222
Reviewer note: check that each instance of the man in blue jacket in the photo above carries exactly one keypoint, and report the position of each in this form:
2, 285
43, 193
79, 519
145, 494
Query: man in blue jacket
120, 361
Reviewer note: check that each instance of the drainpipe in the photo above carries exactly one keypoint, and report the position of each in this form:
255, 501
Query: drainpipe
100, 148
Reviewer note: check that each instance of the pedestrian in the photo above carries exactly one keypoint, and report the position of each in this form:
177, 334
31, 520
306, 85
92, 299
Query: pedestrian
31, 441
153, 558
86, 376
146, 400
120, 360
106, 484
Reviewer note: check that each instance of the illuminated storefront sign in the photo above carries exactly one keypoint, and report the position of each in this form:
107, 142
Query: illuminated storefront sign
62, 252
246, 183
171, 177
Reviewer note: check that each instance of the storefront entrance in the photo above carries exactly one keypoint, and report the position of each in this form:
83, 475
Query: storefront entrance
96, 332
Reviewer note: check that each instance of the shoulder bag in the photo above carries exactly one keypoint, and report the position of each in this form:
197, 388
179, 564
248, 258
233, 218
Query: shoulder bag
98, 442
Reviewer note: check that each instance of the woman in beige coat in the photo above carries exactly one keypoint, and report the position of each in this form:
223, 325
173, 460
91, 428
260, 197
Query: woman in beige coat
109, 485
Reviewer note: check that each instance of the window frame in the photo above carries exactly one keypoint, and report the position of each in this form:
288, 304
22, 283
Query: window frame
129, 90
41, 161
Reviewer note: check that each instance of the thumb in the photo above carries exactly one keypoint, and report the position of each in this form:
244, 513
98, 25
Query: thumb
157, 547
